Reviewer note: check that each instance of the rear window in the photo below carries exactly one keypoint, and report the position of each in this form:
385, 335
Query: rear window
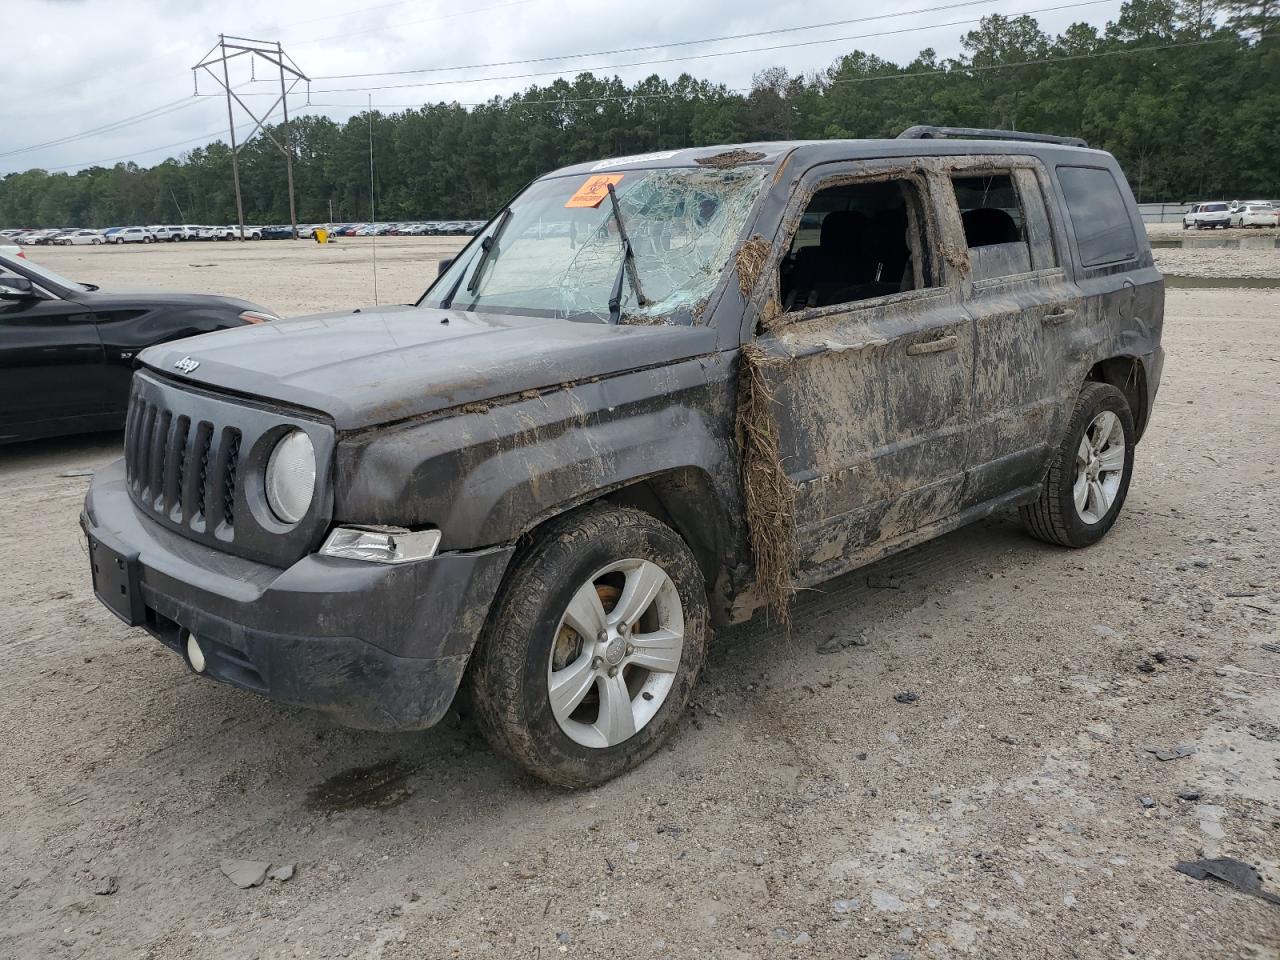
1214, 208
1099, 215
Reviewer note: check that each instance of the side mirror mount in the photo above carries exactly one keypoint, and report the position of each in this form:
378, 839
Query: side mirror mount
444, 265
17, 288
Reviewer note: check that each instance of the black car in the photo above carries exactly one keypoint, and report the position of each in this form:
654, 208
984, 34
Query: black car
67, 351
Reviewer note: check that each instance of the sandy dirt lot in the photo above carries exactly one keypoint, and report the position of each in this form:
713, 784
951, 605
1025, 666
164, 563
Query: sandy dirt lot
286, 276
1014, 810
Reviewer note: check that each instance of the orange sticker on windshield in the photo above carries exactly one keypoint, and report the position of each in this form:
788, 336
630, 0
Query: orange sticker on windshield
594, 190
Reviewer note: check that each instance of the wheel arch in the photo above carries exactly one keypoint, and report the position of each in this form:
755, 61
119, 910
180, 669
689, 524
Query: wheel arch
685, 499
1128, 375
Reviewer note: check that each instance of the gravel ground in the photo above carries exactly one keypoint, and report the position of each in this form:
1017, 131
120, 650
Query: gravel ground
1252, 263
290, 277
1231, 253
1013, 809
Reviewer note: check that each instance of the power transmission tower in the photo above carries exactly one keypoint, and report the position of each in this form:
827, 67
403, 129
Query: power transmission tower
227, 49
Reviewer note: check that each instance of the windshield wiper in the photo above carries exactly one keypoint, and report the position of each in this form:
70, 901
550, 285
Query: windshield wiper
485, 246
627, 267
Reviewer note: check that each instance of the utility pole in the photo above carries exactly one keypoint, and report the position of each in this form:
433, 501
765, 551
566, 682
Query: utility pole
288, 139
231, 129
272, 52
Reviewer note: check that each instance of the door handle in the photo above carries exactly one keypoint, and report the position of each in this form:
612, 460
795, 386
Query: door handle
1062, 316
933, 346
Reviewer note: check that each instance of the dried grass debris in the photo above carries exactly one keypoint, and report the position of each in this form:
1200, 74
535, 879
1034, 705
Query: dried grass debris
769, 498
729, 158
750, 260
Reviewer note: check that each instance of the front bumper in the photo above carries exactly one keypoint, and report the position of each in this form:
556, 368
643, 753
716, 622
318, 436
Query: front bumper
374, 646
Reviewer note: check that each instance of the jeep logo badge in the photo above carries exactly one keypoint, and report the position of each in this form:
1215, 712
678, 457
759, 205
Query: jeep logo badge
187, 365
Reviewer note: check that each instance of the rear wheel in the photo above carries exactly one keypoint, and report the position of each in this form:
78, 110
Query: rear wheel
593, 646
1088, 480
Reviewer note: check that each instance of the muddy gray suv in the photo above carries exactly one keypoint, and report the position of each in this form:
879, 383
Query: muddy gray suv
653, 395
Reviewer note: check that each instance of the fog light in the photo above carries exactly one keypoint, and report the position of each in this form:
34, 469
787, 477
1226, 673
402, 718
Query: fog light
381, 544
195, 656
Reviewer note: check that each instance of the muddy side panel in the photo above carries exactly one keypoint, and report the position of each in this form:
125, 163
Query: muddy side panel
873, 396
1028, 320
1123, 299
487, 473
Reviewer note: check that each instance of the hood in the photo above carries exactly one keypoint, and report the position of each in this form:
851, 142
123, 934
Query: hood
381, 365
152, 299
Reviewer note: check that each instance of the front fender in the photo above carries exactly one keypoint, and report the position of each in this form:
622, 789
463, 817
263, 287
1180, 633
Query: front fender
487, 473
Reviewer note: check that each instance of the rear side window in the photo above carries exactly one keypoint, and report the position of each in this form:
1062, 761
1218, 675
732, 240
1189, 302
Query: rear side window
1099, 215
995, 227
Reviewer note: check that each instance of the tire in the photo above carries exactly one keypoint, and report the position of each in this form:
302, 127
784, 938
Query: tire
1055, 517
510, 678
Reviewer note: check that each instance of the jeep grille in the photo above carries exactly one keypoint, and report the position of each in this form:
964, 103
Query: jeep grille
187, 457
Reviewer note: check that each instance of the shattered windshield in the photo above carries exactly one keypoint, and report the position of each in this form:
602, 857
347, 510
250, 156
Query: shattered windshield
559, 251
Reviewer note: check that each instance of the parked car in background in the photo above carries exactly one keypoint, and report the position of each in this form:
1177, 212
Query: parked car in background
132, 235
166, 233
284, 232
1255, 213
37, 238
76, 238
532, 480
67, 350
232, 232
1207, 216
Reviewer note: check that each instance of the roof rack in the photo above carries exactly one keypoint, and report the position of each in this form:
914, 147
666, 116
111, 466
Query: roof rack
923, 131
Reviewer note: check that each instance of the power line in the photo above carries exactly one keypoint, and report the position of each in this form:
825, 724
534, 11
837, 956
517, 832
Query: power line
165, 108
559, 101
947, 71
697, 56
203, 138
982, 68
174, 105
353, 13
659, 46
410, 23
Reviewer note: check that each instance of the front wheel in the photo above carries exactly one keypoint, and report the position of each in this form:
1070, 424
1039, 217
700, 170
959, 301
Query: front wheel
1089, 478
593, 646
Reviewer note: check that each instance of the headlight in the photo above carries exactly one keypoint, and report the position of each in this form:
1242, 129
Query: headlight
381, 544
257, 316
291, 477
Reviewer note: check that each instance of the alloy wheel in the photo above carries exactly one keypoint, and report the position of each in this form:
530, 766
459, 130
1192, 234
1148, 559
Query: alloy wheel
616, 653
1100, 463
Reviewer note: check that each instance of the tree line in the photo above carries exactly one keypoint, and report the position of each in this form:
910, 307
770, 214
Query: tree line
1183, 92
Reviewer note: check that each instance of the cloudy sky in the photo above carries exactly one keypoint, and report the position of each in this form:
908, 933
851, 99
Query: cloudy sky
100, 81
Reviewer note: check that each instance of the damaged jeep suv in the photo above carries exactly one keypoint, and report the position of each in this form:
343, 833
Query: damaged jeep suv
653, 395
